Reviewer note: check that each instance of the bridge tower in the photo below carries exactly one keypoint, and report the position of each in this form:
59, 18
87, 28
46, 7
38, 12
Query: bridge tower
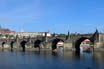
68, 34
96, 36
46, 38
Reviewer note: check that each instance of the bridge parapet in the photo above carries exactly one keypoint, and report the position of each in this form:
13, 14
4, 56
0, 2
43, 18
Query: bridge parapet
70, 42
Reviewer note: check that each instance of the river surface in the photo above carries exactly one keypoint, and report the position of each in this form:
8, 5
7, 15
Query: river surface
45, 59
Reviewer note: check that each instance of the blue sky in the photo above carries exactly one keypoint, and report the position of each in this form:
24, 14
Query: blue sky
82, 16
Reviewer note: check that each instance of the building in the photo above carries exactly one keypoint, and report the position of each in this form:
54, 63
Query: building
8, 32
4, 33
32, 34
87, 41
20, 35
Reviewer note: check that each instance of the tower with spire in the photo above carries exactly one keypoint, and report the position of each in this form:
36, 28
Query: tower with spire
68, 34
96, 35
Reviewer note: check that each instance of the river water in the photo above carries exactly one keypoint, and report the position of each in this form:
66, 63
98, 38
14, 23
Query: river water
45, 59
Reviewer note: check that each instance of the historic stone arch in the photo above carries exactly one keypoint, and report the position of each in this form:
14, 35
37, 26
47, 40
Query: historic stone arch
79, 41
54, 43
37, 43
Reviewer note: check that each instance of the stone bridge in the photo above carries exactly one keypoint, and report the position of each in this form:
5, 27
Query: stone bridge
72, 41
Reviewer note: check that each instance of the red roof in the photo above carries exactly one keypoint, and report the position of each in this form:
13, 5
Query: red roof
32, 32
21, 32
8, 32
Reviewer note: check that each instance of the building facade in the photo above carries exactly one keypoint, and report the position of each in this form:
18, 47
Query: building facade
6, 33
31, 34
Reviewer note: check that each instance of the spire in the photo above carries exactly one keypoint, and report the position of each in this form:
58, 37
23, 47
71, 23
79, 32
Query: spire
54, 34
97, 30
68, 33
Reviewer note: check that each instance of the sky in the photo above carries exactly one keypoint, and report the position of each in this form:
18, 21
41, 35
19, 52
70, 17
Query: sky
58, 16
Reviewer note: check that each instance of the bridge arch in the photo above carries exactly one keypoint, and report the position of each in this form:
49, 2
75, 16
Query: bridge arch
3, 43
37, 43
79, 41
23, 43
54, 43
12, 44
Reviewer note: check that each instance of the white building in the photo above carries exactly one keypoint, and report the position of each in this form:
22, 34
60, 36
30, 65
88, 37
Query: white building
32, 34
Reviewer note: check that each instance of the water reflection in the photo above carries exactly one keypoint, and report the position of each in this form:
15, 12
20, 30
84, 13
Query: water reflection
46, 59
11, 49
77, 54
54, 53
